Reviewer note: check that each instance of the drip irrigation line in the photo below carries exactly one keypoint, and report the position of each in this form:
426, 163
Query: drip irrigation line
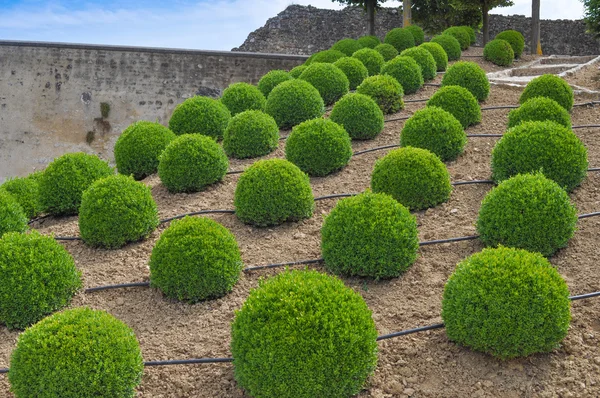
375, 149
3, 370
336, 195
488, 108
417, 100
122, 285
472, 56
301, 262
38, 218
410, 331
484, 135
397, 119
196, 213
187, 361
584, 296
592, 103
433, 84
594, 169
472, 182
235, 172
449, 240
586, 126
588, 215
67, 238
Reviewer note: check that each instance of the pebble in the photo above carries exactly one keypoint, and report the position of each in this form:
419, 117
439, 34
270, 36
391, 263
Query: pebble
409, 391
597, 360
299, 235
454, 211
120, 301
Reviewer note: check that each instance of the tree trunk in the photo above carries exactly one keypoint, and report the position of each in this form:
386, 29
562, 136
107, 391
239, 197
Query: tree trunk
535, 27
406, 13
485, 8
371, 16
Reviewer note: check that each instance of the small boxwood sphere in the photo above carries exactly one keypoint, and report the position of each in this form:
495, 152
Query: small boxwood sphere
328, 79
26, 191
191, 162
139, 146
459, 34
327, 56
297, 71
499, 52
549, 86
12, 216
200, 115
250, 134
303, 334
400, 38
387, 51
369, 41
240, 97
370, 235
37, 277
438, 53
272, 79
406, 71
385, 91
470, 76
318, 147
271, 192
417, 33
347, 46
506, 302
459, 102
450, 45
516, 40
195, 259
424, 59
371, 59
293, 102
471, 32
76, 353
360, 116
354, 70
539, 109
414, 177
527, 211
541, 146
65, 179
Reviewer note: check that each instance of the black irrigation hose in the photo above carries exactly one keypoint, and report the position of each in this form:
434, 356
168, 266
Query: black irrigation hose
187, 361
594, 169
397, 119
67, 238
586, 126
588, 215
108, 287
336, 195
375, 149
472, 182
433, 84
472, 56
587, 103
484, 135
488, 108
196, 213
410, 331
449, 240
417, 100
301, 262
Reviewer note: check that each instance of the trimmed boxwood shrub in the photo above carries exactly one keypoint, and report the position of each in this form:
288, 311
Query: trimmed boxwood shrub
549, 86
541, 146
400, 38
369, 41
471, 32
506, 302
387, 51
26, 191
240, 97
191, 162
450, 45
459, 102
417, 33
371, 59
406, 71
12, 216
539, 109
116, 210
76, 353
470, 76
293, 102
250, 134
37, 277
195, 259
360, 116
326, 56
200, 115
297, 71
499, 52
516, 40
139, 146
354, 70
385, 91
272, 79
460, 34
328, 79
271, 192
347, 46
527, 211
424, 59
303, 334
414, 177
439, 55
370, 235
318, 147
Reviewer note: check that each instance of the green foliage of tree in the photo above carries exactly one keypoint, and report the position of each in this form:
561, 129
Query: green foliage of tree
435, 16
484, 6
592, 16
370, 6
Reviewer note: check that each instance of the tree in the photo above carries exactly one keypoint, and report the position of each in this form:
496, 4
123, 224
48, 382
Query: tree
434, 16
370, 6
592, 16
485, 6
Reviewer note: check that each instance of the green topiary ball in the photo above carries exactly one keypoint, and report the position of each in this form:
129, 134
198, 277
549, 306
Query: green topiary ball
328, 79
400, 38
303, 334
139, 146
370, 235
191, 162
414, 177
200, 115
272, 79
471, 33
406, 71
459, 102
372, 60
326, 56
26, 191
528, 212
385, 91
438, 53
470, 76
65, 179
347, 46
506, 302
387, 51
297, 71
499, 52
354, 70
37, 277
12, 216
459, 34
369, 41
271, 192
541, 146
539, 109
424, 59
240, 97
251, 134
549, 86
417, 33
516, 40
195, 259
450, 45
360, 116
293, 102
76, 353
318, 147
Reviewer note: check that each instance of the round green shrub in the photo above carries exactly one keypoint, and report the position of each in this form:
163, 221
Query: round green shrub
12, 216
459, 34
37, 277
200, 115
541, 146
459, 102
76, 353
360, 116
450, 45
470, 76
326, 56
250, 134
65, 179
347, 46
549, 86
354, 70
369, 41
387, 51
318, 147
506, 302
406, 71
414, 177
297, 71
438, 53
139, 146
499, 52
271, 192
539, 109
272, 79
472, 35
372, 60
303, 334
293, 102
516, 40
26, 191
240, 97
417, 33
195, 259
328, 79
370, 235
424, 59
400, 38
385, 91
191, 162
527, 211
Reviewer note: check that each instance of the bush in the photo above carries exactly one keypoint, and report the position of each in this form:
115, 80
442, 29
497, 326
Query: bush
371, 59
385, 91
65, 179
406, 71
347, 46
326, 56
470, 76
28, 263
360, 116
318, 147
272, 79
191, 162
26, 191
506, 302
195, 259
549, 86
400, 38
471, 32
450, 45
250, 134
424, 59
303, 334
387, 51
459, 102
200, 115
539, 109
414, 177
438, 53
417, 33
541, 146
271, 192
459, 34
139, 146
328, 79
297, 71
369, 235
354, 70
369, 41
293, 102
240, 97
516, 40
76, 353
499, 52
12, 216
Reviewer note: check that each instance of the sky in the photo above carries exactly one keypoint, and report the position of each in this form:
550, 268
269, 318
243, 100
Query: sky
199, 24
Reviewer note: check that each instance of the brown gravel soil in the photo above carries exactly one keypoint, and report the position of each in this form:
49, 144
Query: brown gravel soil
420, 365
588, 77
